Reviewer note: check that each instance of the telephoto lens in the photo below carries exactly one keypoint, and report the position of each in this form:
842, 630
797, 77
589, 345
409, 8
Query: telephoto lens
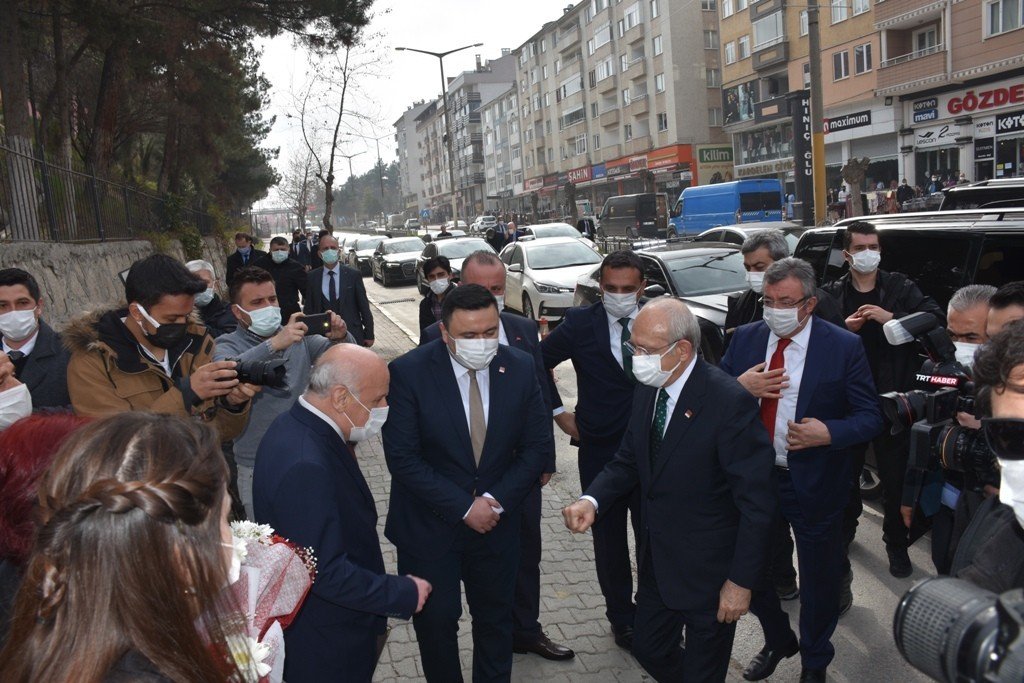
267, 373
955, 632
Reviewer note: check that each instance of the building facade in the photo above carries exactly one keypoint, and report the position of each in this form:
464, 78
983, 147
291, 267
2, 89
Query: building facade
407, 149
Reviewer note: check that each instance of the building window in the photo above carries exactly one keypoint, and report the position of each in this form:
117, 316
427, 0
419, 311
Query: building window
804, 29
708, 5
741, 5
597, 141
713, 78
926, 40
580, 143
625, 97
744, 46
730, 52
544, 71
807, 74
627, 132
840, 65
592, 78
1002, 16
547, 99
862, 58
659, 83
623, 62
840, 11
710, 40
726, 9
769, 30
657, 45
861, 6
605, 69
654, 9
715, 116
632, 16
662, 122
572, 117
551, 154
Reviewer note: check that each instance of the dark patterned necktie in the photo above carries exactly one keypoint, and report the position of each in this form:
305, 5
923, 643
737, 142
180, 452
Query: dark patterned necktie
627, 355
658, 426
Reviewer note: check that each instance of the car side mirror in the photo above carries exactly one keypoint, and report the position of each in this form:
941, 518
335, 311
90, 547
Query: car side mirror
654, 291
515, 268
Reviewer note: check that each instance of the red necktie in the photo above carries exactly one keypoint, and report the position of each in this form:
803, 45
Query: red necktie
770, 406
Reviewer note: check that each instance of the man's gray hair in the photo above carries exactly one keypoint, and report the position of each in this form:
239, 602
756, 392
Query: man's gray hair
482, 258
772, 239
199, 264
327, 374
792, 267
682, 323
971, 296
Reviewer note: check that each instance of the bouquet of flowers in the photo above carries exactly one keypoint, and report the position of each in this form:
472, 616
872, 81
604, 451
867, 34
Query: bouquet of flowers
275, 578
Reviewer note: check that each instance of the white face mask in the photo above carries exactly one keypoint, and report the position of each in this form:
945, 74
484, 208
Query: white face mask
866, 261
475, 354
756, 281
1011, 487
265, 321
782, 321
204, 298
501, 302
15, 403
965, 353
18, 325
374, 423
647, 369
239, 552
619, 305
279, 256
439, 286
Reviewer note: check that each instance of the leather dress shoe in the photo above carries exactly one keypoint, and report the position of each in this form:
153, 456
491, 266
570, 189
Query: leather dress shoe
623, 637
899, 563
764, 662
812, 675
788, 591
545, 648
846, 593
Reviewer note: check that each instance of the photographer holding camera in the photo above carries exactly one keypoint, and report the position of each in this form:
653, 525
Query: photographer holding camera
277, 356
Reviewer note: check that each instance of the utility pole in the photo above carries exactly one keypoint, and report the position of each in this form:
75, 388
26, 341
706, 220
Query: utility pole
817, 114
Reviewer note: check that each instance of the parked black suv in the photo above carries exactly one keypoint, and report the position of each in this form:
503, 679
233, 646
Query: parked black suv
1000, 193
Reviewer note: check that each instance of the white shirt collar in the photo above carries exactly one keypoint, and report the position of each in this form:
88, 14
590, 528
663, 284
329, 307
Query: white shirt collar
802, 338
615, 321
322, 415
676, 387
27, 347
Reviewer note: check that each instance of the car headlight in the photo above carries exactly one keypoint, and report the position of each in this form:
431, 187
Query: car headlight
551, 289
392, 264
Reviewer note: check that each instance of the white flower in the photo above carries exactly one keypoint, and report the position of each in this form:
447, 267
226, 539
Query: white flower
250, 530
249, 654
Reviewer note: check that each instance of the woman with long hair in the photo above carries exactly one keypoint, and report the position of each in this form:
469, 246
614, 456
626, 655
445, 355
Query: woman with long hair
125, 581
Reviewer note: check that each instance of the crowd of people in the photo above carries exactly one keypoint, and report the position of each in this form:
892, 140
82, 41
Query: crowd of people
132, 437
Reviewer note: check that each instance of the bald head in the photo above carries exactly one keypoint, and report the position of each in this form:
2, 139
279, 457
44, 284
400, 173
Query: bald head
485, 269
668, 319
348, 380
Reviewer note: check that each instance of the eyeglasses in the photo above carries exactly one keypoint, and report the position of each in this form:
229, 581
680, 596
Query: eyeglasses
635, 350
784, 303
1005, 436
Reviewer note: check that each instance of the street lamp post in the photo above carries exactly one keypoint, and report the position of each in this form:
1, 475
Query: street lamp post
350, 175
447, 119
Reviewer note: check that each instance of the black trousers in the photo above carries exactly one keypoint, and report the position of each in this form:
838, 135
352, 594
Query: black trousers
611, 545
526, 608
489, 575
658, 630
891, 452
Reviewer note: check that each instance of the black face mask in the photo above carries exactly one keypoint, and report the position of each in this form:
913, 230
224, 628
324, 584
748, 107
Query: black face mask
167, 335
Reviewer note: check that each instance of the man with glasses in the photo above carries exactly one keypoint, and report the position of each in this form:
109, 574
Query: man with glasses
826, 406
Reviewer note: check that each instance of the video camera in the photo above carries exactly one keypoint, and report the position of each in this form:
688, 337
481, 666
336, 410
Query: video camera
954, 631
929, 412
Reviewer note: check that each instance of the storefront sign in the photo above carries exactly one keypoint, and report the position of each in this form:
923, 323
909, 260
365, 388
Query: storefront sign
738, 102
984, 149
766, 168
926, 110
980, 100
1010, 123
620, 167
551, 180
714, 164
803, 165
637, 163
598, 171
668, 157
855, 120
936, 136
580, 175
985, 128
533, 184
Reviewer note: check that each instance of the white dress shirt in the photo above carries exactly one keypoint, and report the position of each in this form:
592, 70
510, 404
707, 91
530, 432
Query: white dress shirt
483, 381
502, 337
322, 415
325, 282
27, 347
615, 333
793, 359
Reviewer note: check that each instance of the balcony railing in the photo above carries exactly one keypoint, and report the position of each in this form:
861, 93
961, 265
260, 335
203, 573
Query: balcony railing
911, 56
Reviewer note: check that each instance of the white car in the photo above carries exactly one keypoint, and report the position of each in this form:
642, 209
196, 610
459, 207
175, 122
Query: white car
547, 230
483, 222
541, 274
451, 225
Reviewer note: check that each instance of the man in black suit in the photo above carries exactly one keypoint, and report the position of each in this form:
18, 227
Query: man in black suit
302, 249
244, 255
40, 360
485, 269
703, 463
289, 277
594, 339
466, 441
338, 288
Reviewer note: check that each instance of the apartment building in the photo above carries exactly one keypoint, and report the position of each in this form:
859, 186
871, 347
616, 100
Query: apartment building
503, 159
408, 146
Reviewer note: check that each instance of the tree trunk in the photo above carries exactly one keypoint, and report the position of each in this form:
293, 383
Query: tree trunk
108, 100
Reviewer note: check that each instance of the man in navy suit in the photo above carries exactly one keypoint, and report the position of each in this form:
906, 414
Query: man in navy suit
338, 288
302, 249
485, 269
703, 463
824, 404
308, 486
594, 339
466, 441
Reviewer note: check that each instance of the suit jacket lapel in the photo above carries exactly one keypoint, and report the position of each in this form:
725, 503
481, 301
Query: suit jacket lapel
817, 357
603, 335
684, 414
451, 397
339, 448
497, 397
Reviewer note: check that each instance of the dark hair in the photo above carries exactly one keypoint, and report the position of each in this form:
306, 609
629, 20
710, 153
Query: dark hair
1010, 294
128, 556
858, 227
245, 236
157, 276
622, 259
245, 276
466, 298
16, 276
996, 359
324, 231
27, 448
437, 262
279, 240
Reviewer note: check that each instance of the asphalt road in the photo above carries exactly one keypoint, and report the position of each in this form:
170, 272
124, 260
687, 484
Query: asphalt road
863, 639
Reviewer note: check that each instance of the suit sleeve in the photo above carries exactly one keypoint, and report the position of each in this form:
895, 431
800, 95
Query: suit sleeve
426, 317
747, 458
916, 301
532, 453
828, 309
402, 451
863, 419
728, 362
305, 512
364, 308
557, 348
544, 382
620, 476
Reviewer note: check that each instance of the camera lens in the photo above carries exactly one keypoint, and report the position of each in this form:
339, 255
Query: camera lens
903, 409
269, 373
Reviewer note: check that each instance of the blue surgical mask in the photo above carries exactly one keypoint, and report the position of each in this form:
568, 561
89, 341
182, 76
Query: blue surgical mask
265, 321
279, 256
329, 256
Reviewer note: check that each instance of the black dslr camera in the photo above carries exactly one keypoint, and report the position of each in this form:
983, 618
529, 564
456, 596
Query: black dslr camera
264, 373
930, 411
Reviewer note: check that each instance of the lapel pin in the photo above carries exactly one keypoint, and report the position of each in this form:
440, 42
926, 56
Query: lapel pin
501, 369
688, 414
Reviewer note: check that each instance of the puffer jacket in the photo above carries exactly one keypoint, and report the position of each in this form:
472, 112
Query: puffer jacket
108, 374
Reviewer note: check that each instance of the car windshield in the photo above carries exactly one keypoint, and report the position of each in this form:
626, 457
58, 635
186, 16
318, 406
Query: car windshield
370, 243
403, 246
555, 231
714, 273
562, 255
461, 248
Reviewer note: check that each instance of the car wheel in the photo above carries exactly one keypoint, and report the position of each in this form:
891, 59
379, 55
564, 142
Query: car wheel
373, 273
528, 307
384, 278
870, 484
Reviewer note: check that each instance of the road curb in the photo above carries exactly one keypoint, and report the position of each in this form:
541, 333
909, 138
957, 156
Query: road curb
414, 338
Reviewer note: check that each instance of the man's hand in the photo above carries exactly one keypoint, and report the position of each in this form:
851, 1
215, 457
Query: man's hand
967, 420
214, 379
733, 602
855, 322
242, 393
809, 433
876, 313
764, 384
907, 513
291, 333
423, 589
567, 423
339, 330
367, 343
545, 478
579, 516
482, 515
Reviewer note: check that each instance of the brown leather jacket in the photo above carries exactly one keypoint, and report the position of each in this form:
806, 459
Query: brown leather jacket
108, 374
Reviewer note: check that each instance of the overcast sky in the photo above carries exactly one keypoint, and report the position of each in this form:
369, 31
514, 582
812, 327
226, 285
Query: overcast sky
405, 77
